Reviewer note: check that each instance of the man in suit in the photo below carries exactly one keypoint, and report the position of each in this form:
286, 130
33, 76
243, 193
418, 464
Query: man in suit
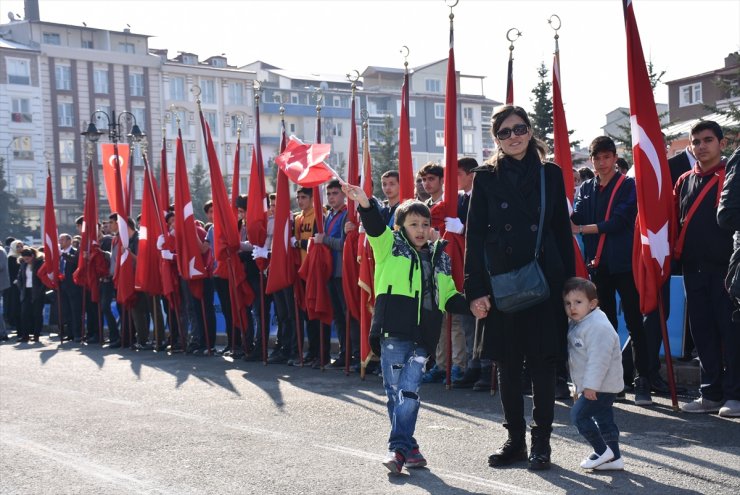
70, 293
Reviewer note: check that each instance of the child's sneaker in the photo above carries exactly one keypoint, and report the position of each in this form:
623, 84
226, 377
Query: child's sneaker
415, 459
394, 461
615, 465
595, 460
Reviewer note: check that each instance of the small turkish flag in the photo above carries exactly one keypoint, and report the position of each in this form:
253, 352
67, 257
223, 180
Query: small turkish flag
304, 163
109, 169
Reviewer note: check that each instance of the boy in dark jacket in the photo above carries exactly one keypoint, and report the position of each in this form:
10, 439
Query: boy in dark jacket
413, 287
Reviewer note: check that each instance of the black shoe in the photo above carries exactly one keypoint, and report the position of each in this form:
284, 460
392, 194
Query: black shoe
116, 344
277, 358
484, 383
642, 392
513, 450
539, 454
337, 364
468, 379
255, 355
660, 386
562, 391
93, 340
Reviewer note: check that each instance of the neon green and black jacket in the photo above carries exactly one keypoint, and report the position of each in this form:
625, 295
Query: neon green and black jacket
398, 284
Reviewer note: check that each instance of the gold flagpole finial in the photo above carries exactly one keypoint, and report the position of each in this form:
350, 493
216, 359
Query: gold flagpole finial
353, 77
282, 108
512, 35
318, 96
195, 89
48, 155
552, 21
175, 115
405, 54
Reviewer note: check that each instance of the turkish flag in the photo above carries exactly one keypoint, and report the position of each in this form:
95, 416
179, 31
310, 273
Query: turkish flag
124, 277
256, 217
350, 267
236, 174
561, 150
189, 260
92, 264
282, 273
164, 182
148, 278
109, 169
652, 250
49, 271
407, 189
366, 273
304, 163
316, 272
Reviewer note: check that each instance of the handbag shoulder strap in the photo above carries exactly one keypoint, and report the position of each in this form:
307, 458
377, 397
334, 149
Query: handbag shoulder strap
542, 212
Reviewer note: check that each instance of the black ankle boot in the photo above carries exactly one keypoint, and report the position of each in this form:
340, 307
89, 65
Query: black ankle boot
513, 450
539, 454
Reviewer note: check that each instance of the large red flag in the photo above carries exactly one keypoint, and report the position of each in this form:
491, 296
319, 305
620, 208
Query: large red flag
109, 168
282, 271
256, 217
350, 268
164, 181
366, 276
148, 278
236, 175
561, 150
407, 188
49, 271
651, 260
304, 163
92, 264
189, 259
124, 273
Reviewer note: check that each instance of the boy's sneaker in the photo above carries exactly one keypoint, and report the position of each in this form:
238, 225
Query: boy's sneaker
731, 409
702, 405
434, 375
394, 461
615, 465
456, 373
415, 459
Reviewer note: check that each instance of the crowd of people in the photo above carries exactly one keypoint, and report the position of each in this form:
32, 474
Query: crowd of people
511, 210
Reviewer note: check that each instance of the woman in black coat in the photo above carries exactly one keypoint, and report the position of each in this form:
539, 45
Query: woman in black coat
501, 236
33, 294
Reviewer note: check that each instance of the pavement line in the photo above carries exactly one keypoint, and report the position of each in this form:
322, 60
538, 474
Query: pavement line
83, 465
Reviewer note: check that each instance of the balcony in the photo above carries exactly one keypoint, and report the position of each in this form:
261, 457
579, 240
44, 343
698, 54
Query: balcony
21, 117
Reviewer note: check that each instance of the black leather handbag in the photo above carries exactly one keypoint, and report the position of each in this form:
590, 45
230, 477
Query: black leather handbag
526, 286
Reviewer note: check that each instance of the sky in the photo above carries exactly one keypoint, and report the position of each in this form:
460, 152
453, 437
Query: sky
682, 37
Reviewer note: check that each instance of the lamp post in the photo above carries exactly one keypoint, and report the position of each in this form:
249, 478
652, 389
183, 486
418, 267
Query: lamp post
117, 128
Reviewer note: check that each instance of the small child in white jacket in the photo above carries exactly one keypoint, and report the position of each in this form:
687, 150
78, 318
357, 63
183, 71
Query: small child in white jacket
595, 361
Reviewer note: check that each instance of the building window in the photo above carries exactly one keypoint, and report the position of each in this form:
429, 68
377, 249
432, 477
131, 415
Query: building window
236, 122
377, 107
63, 77
189, 59
177, 88
468, 146
336, 101
87, 44
689, 95
236, 93
439, 138
433, 85
338, 128
412, 108
21, 111
277, 98
439, 110
22, 149
412, 134
468, 116
140, 116
291, 128
67, 151
212, 121
24, 185
136, 84
138, 183
100, 81
52, 38
19, 71
69, 184
208, 88
294, 98
126, 47
65, 115
218, 62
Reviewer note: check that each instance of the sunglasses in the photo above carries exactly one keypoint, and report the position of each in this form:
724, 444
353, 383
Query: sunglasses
519, 130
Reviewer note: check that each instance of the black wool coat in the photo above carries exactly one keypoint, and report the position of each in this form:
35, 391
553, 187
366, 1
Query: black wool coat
501, 235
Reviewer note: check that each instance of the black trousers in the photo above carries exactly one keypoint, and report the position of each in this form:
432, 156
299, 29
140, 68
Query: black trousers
107, 294
339, 306
607, 286
543, 394
32, 316
286, 315
224, 296
71, 299
92, 325
254, 330
716, 336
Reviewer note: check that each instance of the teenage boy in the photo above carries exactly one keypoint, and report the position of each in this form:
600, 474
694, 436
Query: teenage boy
704, 249
432, 177
392, 191
604, 213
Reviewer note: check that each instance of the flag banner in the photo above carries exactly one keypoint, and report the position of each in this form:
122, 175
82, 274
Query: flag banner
49, 271
316, 272
304, 163
256, 216
366, 274
189, 260
91, 265
561, 150
148, 278
407, 189
124, 276
164, 181
109, 169
283, 269
350, 268
651, 253
235, 176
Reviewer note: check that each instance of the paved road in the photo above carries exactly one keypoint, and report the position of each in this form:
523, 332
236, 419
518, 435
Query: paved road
92, 421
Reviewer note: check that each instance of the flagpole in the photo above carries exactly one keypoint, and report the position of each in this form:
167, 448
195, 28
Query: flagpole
265, 332
60, 319
353, 159
512, 35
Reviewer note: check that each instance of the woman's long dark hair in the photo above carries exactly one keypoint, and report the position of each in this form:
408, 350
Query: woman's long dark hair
502, 113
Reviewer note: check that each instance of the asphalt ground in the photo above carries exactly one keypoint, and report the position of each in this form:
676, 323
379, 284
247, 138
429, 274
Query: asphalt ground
87, 420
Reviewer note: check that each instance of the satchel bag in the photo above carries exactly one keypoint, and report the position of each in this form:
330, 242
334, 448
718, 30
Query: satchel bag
526, 286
